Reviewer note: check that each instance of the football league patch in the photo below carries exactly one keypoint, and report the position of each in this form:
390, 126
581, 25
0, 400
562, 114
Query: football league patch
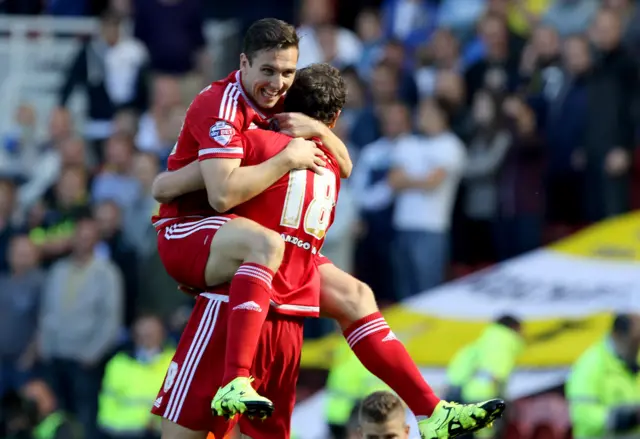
222, 132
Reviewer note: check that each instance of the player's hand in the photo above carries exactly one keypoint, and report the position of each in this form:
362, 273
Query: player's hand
299, 125
304, 154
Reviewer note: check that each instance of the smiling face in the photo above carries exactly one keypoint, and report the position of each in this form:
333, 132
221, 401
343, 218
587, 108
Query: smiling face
268, 74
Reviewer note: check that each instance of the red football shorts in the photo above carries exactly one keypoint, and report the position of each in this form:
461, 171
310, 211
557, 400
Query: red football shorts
197, 369
184, 248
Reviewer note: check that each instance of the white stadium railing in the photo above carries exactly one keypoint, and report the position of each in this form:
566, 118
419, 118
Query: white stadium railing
35, 51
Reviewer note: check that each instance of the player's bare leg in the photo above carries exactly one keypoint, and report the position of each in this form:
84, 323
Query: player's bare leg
239, 241
253, 253
171, 430
352, 304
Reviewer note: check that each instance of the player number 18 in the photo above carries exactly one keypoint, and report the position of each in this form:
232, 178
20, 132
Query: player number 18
316, 218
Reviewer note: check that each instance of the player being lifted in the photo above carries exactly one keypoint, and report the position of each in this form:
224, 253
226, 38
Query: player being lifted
269, 58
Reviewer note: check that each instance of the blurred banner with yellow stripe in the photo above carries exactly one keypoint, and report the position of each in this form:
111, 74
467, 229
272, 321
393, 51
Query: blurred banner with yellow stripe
564, 293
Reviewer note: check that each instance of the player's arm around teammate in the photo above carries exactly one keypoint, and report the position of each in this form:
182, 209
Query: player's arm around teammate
301, 125
228, 184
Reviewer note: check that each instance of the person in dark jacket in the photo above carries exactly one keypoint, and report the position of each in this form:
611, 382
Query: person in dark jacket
112, 70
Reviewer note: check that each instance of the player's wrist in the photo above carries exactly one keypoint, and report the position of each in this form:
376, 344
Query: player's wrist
285, 160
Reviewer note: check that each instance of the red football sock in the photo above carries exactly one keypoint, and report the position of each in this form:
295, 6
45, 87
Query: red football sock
249, 298
378, 349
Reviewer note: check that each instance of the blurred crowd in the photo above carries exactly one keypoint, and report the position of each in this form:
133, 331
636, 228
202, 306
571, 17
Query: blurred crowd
479, 129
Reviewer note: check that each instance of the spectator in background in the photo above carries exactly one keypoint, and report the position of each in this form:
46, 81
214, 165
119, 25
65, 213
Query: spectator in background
54, 235
374, 198
385, 89
481, 369
20, 292
115, 247
369, 29
173, 33
610, 134
427, 170
160, 126
44, 172
116, 181
112, 71
540, 68
441, 53
7, 226
497, 69
487, 151
564, 128
19, 150
520, 185
570, 17
80, 324
449, 91
131, 381
52, 423
610, 363
321, 40
139, 231
398, 57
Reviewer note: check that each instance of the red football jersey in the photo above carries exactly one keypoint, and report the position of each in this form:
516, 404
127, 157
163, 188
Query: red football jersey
300, 206
211, 129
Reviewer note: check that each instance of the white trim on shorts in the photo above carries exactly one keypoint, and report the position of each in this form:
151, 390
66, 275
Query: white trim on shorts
298, 308
183, 230
190, 363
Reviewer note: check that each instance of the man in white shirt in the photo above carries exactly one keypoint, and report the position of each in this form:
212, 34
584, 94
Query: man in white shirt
426, 173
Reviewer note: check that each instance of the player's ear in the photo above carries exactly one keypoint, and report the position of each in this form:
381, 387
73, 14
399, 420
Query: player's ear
335, 120
244, 62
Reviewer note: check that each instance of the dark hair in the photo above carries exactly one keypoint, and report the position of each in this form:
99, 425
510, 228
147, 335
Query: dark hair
622, 324
110, 17
509, 321
318, 91
269, 34
379, 407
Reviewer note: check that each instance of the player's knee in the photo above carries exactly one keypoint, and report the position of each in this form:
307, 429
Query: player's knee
356, 302
267, 247
365, 301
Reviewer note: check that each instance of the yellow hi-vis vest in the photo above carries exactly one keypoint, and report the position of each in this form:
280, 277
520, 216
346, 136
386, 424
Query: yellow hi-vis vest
348, 382
129, 389
482, 368
599, 381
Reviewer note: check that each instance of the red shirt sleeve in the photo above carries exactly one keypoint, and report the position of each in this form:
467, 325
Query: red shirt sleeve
216, 123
